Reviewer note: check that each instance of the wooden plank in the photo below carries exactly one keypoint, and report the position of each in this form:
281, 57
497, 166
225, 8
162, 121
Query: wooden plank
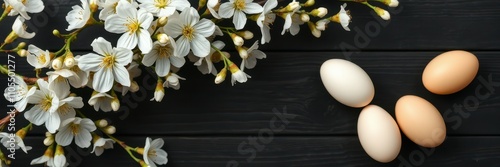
291, 80
285, 151
415, 25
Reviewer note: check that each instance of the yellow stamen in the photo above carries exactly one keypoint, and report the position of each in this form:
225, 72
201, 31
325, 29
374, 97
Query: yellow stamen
239, 4
162, 3
133, 26
165, 51
46, 103
41, 59
108, 61
75, 128
188, 32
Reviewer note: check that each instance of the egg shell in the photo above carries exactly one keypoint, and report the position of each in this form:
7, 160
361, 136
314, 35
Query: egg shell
379, 134
420, 121
347, 82
450, 72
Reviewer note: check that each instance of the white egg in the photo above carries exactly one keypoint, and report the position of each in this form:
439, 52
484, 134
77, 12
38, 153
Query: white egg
379, 134
347, 82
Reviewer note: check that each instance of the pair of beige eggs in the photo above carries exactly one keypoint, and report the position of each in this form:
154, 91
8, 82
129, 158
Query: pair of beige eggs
418, 119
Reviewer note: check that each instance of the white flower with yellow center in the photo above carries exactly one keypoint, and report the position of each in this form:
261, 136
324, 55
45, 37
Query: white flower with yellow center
37, 57
133, 24
78, 17
19, 29
19, 93
193, 32
237, 74
23, 7
253, 55
153, 154
109, 65
58, 82
266, 18
100, 144
46, 104
164, 8
76, 128
101, 101
238, 8
164, 55
109, 7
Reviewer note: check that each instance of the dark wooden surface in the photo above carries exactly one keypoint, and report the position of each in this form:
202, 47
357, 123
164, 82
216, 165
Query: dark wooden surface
205, 124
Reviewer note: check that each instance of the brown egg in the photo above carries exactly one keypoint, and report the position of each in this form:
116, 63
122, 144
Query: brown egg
420, 121
450, 72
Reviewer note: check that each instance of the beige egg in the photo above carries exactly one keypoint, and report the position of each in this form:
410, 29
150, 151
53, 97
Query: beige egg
420, 121
347, 82
379, 134
450, 72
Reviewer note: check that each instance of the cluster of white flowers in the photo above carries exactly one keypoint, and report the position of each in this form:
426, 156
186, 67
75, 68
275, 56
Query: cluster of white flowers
156, 34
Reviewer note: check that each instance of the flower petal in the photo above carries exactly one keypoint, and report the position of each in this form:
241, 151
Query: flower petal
103, 80
121, 75
128, 41
226, 10
200, 46
177, 61
205, 27
90, 62
83, 138
115, 24
123, 56
144, 41
53, 122
102, 46
183, 46
239, 20
253, 8
162, 67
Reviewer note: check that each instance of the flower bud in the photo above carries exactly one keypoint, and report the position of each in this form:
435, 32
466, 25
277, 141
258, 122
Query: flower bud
163, 38
10, 38
309, 3
304, 17
101, 123
162, 21
382, 13
115, 104
292, 6
48, 141
134, 87
319, 12
21, 45
159, 91
56, 33
93, 5
109, 130
245, 34
237, 40
57, 64
243, 52
59, 150
69, 60
221, 76
22, 52
391, 3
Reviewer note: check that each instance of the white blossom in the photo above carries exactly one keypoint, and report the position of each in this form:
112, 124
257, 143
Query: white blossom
164, 8
292, 20
172, 81
266, 18
37, 57
193, 32
253, 55
19, 93
100, 144
153, 154
101, 101
344, 18
238, 8
164, 55
109, 65
212, 5
133, 24
76, 128
19, 29
78, 17
205, 64
23, 7
46, 104
17, 143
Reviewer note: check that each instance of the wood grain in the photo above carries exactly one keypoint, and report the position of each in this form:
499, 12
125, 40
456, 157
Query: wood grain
415, 25
286, 151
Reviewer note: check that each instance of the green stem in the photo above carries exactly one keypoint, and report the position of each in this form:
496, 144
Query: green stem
5, 13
